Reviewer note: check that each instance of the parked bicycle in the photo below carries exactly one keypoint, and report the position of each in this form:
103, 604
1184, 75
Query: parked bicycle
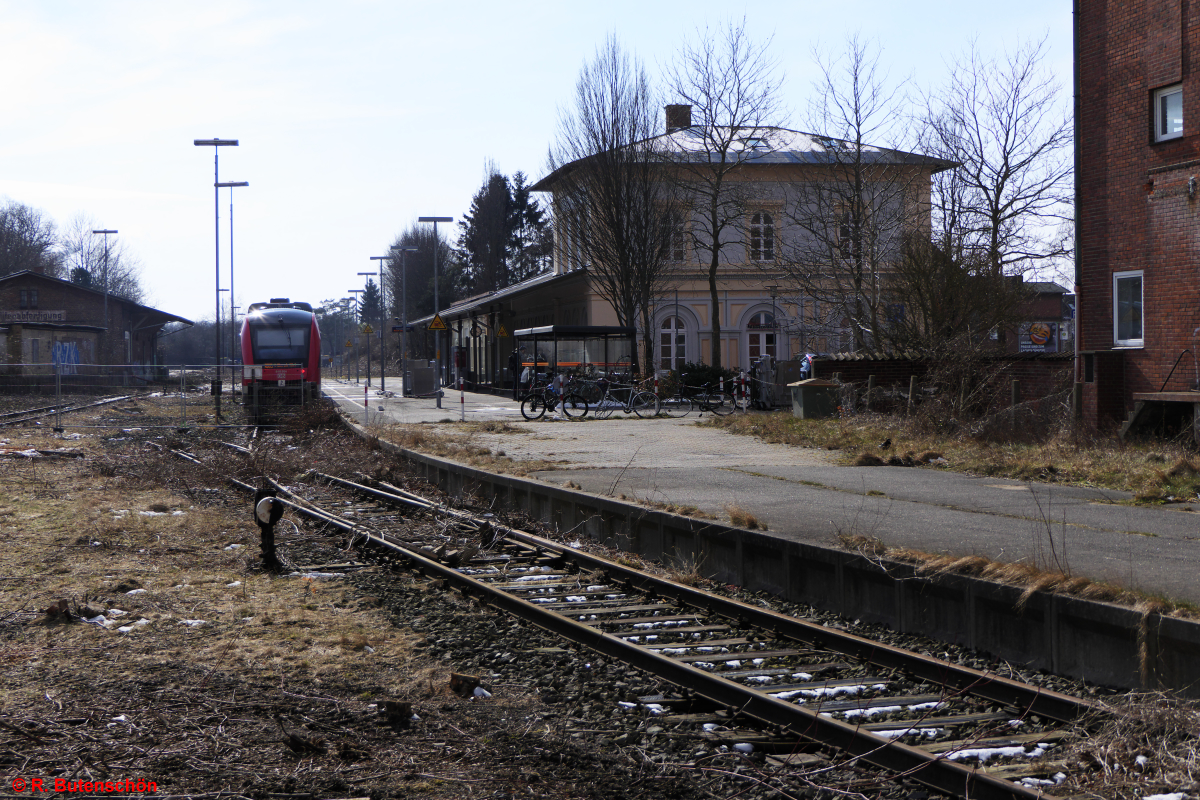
628, 399
710, 399
541, 399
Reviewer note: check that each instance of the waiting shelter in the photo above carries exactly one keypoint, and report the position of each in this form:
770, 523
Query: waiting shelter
584, 349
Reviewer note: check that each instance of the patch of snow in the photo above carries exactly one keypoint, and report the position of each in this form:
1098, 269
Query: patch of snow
136, 591
481, 693
141, 623
233, 585
744, 747
983, 754
235, 546
193, 623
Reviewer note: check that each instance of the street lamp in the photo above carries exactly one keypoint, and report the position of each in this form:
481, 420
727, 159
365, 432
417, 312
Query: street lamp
436, 309
231, 185
106, 337
382, 338
408, 248
356, 293
774, 292
215, 144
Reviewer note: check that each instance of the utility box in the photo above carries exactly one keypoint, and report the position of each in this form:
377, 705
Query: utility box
422, 378
814, 398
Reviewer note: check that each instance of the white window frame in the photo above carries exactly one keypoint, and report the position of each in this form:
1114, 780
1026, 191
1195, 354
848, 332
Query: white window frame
762, 237
1116, 280
1161, 96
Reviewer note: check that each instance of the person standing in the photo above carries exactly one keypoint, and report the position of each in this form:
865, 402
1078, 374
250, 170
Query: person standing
514, 369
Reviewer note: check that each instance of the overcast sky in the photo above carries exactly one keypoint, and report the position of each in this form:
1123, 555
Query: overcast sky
356, 117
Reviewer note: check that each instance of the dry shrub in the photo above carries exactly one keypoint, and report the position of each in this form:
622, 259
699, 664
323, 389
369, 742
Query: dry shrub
866, 545
1138, 744
868, 460
742, 518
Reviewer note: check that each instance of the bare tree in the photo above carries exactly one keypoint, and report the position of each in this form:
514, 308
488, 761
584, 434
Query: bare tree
1002, 121
28, 241
612, 188
732, 87
87, 262
851, 219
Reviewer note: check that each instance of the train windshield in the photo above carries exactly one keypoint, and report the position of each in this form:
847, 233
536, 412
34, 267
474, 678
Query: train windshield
276, 341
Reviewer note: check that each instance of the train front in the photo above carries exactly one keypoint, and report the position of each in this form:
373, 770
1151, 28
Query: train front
281, 349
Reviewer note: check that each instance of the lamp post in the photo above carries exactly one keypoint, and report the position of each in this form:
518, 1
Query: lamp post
436, 308
382, 338
106, 338
408, 248
231, 185
215, 144
357, 375
774, 292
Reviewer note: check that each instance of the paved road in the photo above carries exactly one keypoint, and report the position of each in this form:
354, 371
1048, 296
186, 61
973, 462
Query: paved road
800, 493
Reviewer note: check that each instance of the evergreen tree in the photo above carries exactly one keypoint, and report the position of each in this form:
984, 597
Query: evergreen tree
486, 232
530, 240
369, 304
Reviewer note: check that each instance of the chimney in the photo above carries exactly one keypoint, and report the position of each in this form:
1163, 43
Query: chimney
678, 117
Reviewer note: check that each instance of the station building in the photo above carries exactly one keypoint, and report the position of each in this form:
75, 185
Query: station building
46, 321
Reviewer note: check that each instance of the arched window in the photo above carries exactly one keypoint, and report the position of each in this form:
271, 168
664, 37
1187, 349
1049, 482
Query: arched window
762, 237
761, 328
672, 344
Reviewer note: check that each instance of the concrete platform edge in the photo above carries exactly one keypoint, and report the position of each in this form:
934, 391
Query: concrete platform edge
1101, 642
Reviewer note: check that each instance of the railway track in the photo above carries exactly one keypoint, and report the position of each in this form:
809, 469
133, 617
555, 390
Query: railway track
14, 418
803, 693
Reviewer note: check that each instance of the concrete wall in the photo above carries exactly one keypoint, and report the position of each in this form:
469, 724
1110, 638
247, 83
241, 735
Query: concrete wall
1068, 636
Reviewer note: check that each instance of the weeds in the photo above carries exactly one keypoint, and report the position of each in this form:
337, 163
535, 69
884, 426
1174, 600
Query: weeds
743, 519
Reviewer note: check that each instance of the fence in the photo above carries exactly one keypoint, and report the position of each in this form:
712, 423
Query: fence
174, 396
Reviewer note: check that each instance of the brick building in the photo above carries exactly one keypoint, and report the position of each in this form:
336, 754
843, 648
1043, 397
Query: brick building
45, 320
1138, 163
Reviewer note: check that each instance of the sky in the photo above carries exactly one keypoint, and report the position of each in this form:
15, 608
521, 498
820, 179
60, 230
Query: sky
354, 118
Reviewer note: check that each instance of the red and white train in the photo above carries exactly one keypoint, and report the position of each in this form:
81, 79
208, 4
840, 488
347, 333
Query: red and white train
281, 357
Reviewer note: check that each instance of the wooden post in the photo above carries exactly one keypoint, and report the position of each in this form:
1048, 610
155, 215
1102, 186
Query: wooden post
912, 392
870, 390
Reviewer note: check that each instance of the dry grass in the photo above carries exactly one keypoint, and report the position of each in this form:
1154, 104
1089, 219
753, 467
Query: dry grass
1155, 472
459, 441
743, 519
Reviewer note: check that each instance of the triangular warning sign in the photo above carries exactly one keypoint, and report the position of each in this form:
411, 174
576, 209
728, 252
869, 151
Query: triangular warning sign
437, 324
502, 332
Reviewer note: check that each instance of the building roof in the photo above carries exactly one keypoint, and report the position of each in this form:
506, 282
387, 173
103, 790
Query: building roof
26, 274
475, 301
1047, 287
768, 146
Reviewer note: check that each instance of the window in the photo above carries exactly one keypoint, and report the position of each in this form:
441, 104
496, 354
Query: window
672, 344
29, 298
1127, 309
762, 237
673, 238
1168, 113
761, 342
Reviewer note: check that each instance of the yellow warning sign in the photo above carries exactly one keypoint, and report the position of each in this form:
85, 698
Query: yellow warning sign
502, 332
367, 329
437, 324
349, 343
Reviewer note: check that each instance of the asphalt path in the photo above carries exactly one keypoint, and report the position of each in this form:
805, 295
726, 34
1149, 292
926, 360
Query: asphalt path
802, 494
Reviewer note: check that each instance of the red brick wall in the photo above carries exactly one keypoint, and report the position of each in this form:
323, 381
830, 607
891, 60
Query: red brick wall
1134, 210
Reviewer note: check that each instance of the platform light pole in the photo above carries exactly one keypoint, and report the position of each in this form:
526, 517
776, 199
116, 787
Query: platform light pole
437, 336
404, 249
382, 316
106, 338
357, 374
231, 185
216, 144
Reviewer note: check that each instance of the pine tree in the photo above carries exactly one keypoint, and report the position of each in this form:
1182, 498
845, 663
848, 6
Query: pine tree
483, 243
530, 241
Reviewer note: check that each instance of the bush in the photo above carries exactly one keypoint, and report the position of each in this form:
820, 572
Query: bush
693, 375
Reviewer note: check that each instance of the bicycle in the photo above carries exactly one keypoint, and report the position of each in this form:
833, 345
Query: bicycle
702, 398
541, 399
642, 403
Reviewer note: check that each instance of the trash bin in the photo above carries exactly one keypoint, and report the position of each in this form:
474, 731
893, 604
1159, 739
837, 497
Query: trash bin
814, 398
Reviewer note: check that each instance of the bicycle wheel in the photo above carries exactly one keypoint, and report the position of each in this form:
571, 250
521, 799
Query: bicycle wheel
645, 404
574, 406
533, 406
605, 408
721, 403
676, 406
